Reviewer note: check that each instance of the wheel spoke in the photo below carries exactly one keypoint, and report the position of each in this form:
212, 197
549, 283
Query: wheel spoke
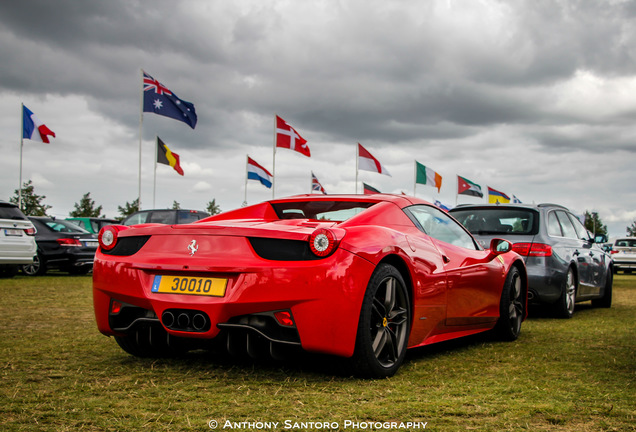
389, 299
379, 342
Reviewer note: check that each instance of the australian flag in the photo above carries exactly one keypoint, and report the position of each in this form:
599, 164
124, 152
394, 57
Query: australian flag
160, 100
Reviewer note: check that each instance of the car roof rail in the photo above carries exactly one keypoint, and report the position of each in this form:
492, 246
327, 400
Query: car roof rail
552, 205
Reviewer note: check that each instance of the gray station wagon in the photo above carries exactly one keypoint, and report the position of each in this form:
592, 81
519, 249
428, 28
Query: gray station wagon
564, 264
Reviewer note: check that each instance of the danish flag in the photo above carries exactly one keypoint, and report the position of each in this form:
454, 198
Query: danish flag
287, 137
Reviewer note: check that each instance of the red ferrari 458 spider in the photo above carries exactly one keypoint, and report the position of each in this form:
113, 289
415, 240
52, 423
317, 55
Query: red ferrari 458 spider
358, 276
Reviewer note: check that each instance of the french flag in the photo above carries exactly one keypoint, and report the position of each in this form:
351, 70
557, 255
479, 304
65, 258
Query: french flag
257, 172
34, 129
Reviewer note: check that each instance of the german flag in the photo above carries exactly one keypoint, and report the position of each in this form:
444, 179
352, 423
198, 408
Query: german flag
369, 190
166, 157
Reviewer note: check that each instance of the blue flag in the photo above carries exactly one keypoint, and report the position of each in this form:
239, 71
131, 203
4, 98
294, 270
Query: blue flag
160, 100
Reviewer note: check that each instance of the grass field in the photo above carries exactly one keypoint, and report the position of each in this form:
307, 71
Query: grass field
59, 373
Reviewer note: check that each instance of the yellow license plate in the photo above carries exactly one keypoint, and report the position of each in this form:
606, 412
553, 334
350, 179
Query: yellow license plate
189, 285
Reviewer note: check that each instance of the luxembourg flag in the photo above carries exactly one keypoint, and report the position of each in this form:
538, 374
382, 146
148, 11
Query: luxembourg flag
34, 129
367, 162
257, 172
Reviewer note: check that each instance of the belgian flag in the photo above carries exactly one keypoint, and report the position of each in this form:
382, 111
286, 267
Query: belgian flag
167, 157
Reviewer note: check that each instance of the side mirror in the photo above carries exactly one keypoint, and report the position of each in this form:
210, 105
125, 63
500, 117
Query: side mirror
600, 238
500, 246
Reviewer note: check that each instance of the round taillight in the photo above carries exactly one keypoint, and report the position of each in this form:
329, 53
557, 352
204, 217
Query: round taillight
108, 237
322, 242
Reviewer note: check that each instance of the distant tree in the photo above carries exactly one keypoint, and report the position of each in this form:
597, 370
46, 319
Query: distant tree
129, 208
176, 205
86, 208
631, 230
32, 204
594, 223
213, 208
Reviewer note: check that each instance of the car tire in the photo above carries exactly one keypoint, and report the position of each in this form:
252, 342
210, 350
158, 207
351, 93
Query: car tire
384, 325
606, 300
511, 307
564, 306
79, 271
150, 341
37, 268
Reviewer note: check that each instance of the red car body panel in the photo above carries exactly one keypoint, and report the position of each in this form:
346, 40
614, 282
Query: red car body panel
454, 291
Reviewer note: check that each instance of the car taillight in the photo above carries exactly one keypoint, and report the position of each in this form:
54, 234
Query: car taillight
30, 231
322, 242
612, 252
107, 236
69, 242
532, 249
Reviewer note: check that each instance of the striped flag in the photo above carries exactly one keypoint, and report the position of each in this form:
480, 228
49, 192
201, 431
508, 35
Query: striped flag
495, 196
33, 128
258, 173
425, 175
167, 157
466, 187
367, 162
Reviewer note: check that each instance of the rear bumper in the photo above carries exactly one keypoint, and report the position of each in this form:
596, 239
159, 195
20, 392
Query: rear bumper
545, 280
324, 297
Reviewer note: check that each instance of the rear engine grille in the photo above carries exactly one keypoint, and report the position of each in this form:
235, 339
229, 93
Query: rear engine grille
127, 246
282, 250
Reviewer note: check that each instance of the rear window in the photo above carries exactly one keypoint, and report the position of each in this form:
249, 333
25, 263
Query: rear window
336, 211
11, 212
498, 220
63, 226
625, 242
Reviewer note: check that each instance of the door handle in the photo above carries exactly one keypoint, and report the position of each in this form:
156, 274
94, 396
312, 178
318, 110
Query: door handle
576, 253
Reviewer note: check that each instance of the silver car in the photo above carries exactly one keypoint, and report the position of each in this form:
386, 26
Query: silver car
17, 241
564, 264
624, 254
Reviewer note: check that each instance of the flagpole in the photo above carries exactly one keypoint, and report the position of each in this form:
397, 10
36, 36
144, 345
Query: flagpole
247, 161
414, 176
141, 119
21, 146
357, 157
154, 182
274, 162
457, 192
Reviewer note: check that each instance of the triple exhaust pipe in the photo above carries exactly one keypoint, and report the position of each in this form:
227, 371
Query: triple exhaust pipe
185, 320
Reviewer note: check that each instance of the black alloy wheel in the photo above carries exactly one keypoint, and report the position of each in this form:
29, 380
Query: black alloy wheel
384, 326
511, 306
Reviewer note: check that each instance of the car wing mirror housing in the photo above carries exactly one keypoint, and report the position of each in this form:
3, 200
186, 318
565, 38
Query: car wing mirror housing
500, 246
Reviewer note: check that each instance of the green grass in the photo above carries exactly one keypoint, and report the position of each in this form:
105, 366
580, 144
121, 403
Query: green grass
59, 373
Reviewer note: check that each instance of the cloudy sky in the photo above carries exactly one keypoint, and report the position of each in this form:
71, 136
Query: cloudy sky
532, 98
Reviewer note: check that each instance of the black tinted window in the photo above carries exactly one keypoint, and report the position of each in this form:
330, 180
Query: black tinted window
10, 212
498, 220
188, 216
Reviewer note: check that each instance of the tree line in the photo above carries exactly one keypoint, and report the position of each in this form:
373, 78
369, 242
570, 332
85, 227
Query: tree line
33, 205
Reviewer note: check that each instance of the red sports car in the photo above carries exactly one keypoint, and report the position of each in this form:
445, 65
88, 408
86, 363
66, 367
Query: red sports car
358, 276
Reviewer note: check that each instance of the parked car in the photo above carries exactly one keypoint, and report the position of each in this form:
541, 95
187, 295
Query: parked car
624, 254
62, 245
17, 242
362, 277
92, 224
564, 264
164, 216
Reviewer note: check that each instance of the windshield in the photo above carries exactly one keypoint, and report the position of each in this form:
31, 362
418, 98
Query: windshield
498, 220
336, 211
